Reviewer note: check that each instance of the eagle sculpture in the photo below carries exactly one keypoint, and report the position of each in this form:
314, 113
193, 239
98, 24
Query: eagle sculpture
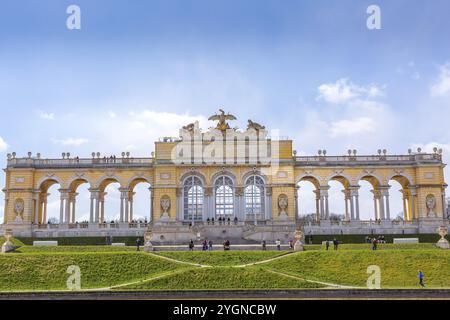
222, 118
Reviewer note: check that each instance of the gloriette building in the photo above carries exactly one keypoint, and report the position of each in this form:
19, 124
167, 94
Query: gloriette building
224, 183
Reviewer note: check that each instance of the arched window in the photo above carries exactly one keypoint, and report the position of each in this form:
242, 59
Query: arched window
254, 196
224, 197
193, 198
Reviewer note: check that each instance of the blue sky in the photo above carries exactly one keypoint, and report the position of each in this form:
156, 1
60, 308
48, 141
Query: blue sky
138, 70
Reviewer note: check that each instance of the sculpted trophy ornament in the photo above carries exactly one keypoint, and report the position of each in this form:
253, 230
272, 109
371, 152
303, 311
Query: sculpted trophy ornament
283, 204
148, 246
431, 206
254, 125
165, 206
443, 243
19, 206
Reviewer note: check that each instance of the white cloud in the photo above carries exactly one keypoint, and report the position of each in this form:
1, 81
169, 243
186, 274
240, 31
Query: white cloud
3, 145
442, 86
352, 127
46, 115
428, 147
112, 114
73, 142
343, 91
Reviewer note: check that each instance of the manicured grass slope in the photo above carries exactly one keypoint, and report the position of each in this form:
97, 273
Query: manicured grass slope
222, 258
223, 278
15, 241
399, 268
41, 271
74, 249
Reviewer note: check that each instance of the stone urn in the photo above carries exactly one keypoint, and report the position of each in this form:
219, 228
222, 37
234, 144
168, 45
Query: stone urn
148, 246
8, 245
299, 243
443, 243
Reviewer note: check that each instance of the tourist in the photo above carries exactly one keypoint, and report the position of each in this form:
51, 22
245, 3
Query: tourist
291, 244
191, 245
420, 276
205, 245
212, 220
374, 244
207, 221
210, 245
235, 220
264, 245
229, 220
278, 243
335, 243
138, 243
327, 244
226, 245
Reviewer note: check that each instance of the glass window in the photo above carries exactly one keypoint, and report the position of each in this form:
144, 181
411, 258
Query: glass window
254, 195
193, 198
224, 197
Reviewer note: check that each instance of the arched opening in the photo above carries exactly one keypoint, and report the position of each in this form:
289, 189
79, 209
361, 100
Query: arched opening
110, 201
369, 194
193, 199
49, 210
254, 195
224, 197
308, 199
79, 199
140, 201
402, 200
338, 196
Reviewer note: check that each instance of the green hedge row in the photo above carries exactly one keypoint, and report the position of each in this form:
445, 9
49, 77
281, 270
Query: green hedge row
356, 238
80, 241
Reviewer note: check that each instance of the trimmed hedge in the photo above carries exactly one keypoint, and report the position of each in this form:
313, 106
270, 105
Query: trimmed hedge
83, 241
360, 238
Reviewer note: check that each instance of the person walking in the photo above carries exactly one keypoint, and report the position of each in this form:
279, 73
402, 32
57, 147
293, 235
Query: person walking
138, 244
191, 245
210, 245
327, 244
264, 245
374, 244
420, 276
278, 243
335, 244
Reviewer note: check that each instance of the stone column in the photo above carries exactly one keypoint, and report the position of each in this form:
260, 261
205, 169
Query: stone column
91, 212
412, 197
130, 199
268, 205
95, 205
64, 208
346, 200
405, 210
317, 193
355, 197
102, 206
36, 203
151, 204
296, 202
124, 205
44, 214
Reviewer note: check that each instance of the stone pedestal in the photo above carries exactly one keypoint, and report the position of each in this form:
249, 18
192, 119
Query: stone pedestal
299, 240
443, 244
298, 246
148, 246
7, 245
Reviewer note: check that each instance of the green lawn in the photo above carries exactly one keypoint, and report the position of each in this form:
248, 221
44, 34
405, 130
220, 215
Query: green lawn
15, 241
223, 278
221, 258
44, 268
399, 268
46, 271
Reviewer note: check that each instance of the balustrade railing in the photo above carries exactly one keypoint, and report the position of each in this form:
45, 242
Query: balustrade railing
366, 159
75, 162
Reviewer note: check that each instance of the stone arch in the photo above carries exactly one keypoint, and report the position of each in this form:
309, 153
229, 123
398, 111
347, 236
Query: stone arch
404, 179
344, 179
104, 181
250, 173
314, 179
191, 173
46, 182
221, 173
136, 179
74, 182
374, 179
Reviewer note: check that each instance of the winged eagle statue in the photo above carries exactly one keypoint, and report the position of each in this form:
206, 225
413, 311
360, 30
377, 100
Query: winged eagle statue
222, 125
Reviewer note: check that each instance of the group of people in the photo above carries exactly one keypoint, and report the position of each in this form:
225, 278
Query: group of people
222, 220
335, 244
380, 239
208, 245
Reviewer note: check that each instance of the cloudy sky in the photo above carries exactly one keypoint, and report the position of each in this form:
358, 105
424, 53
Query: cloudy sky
138, 70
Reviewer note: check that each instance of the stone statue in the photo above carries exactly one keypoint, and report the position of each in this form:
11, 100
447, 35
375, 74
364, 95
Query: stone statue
443, 243
431, 205
254, 125
190, 127
222, 125
283, 204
